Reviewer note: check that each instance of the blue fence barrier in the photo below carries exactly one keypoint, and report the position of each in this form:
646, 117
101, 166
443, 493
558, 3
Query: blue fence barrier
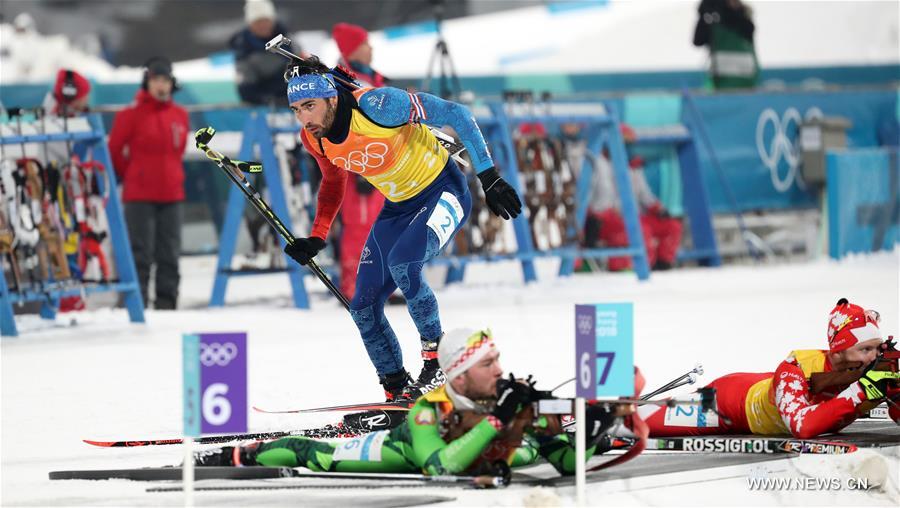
754, 133
863, 201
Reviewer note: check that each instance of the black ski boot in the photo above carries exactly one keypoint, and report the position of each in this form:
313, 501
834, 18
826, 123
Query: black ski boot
395, 384
227, 456
394, 390
431, 377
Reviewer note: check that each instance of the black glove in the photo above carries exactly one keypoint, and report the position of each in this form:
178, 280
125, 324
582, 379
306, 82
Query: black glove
599, 418
304, 249
875, 382
511, 395
500, 196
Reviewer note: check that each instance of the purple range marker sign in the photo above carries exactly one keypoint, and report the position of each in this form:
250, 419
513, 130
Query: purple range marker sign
585, 351
220, 393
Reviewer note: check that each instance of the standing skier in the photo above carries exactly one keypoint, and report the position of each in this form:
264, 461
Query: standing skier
467, 425
381, 134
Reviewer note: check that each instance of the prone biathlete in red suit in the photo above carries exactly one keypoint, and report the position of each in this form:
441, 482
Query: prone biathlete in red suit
780, 402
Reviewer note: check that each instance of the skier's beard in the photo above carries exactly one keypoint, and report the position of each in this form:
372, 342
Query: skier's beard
321, 130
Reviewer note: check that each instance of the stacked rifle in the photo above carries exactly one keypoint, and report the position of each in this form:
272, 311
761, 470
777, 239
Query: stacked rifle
53, 220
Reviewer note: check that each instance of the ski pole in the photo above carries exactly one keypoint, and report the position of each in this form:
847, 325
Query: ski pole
484, 481
671, 385
689, 380
234, 170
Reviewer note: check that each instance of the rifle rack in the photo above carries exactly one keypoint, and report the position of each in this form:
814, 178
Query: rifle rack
88, 136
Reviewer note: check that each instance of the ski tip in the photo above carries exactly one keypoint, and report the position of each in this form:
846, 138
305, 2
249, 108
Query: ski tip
268, 411
103, 444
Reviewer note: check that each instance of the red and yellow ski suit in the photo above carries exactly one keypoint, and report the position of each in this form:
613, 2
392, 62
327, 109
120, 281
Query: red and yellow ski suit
766, 404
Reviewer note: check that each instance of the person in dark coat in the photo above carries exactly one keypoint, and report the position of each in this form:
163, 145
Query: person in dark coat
260, 74
726, 27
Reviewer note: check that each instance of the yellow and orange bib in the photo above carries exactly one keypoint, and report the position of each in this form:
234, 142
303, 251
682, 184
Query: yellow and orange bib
762, 415
399, 161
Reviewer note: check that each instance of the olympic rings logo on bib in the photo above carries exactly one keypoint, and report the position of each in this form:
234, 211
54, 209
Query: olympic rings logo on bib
217, 354
361, 161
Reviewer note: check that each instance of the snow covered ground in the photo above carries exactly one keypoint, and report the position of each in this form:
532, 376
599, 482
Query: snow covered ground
106, 378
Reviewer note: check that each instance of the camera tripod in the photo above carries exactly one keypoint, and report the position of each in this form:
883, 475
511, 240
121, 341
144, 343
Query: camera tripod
448, 81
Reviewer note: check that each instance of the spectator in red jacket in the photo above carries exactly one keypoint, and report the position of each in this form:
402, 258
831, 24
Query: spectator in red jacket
147, 143
356, 53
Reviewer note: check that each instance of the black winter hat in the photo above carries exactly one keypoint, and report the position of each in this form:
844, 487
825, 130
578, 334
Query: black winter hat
158, 66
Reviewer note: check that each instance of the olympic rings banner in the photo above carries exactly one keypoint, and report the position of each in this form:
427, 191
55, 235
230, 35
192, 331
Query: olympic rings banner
756, 140
215, 383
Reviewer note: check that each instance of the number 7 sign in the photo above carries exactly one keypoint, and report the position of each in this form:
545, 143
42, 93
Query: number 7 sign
604, 351
215, 383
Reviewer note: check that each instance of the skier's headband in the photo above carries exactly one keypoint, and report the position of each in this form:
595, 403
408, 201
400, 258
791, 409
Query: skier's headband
456, 355
310, 86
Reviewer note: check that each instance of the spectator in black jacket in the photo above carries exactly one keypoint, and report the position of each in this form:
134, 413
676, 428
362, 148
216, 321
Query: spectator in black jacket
260, 75
726, 27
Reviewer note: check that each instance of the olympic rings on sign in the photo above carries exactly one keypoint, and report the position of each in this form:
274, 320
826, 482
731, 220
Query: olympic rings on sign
217, 354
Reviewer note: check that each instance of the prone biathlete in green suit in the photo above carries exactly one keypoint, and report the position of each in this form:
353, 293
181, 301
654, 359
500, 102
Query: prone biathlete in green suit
476, 419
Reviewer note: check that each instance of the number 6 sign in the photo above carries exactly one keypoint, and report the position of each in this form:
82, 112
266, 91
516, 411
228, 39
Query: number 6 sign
604, 353
215, 383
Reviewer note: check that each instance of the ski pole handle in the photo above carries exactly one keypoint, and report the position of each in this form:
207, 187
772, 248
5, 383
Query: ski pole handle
202, 137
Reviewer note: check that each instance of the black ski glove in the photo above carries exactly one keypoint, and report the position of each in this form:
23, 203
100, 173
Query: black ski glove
875, 382
304, 249
500, 196
511, 395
